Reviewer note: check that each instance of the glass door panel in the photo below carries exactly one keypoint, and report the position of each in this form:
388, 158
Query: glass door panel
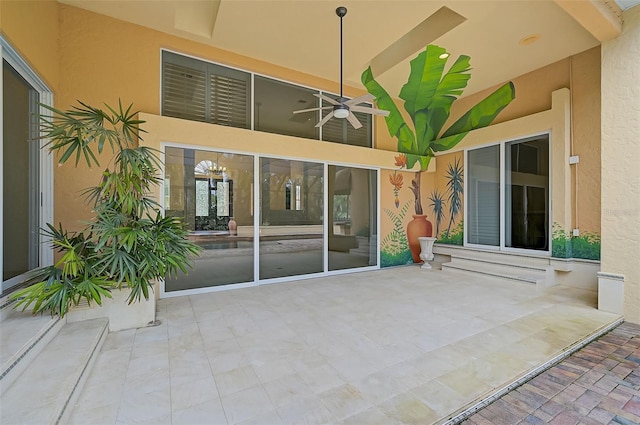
20, 168
352, 206
527, 194
212, 192
291, 218
483, 207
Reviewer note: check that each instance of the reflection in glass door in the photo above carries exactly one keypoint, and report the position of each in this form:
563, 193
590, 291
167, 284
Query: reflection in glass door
20, 168
291, 218
353, 206
212, 192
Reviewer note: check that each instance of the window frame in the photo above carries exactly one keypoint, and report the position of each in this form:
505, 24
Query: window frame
251, 100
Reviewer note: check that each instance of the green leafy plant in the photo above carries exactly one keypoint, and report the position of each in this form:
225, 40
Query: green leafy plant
437, 206
128, 243
455, 237
455, 187
428, 96
394, 247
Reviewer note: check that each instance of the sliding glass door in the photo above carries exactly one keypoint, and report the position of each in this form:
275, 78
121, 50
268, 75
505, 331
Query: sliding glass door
212, 192
20, 168
308, 218
291, 218
353, 209
508, 195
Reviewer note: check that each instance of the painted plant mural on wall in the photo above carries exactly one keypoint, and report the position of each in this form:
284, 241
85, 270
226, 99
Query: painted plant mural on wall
428, 96
564, 245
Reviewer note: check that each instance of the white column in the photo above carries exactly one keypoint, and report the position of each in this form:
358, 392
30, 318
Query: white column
619, 280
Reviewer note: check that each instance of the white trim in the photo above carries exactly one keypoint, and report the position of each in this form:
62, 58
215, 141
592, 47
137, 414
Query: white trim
257, 212
327, 217
13, 58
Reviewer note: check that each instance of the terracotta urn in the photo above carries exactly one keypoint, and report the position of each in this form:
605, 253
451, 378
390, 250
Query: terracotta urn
418, 227
233, 227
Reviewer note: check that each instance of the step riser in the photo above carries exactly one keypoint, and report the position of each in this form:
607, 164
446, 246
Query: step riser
476, 272
502, 268
497, 257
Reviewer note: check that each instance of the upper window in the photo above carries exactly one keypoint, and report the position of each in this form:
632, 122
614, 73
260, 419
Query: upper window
341, 131
201, 91
274, 103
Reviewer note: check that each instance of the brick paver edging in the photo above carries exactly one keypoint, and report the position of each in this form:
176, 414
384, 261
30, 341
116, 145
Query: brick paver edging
597, 384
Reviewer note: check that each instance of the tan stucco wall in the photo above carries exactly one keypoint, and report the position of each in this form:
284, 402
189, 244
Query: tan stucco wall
31, 27
581, 75
104, 59
621, 159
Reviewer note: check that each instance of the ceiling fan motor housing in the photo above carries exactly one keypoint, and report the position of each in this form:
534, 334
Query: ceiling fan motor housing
341, 111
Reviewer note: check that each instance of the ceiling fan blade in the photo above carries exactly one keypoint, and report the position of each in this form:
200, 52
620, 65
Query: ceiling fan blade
371, 111
325, 119
312, 109
364, 98
326, 99
354, 121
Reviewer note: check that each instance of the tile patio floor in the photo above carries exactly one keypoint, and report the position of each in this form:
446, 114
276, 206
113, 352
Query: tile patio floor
599, 384
396, 346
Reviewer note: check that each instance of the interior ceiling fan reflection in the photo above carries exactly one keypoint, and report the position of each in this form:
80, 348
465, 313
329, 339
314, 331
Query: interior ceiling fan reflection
343, 107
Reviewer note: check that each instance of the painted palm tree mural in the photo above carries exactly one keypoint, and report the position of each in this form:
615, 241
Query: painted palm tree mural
428, 95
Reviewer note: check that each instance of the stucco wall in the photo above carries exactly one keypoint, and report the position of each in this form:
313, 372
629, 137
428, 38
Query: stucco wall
31, 27
621, 159
581, 75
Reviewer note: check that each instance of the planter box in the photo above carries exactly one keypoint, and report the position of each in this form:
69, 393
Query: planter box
120, 314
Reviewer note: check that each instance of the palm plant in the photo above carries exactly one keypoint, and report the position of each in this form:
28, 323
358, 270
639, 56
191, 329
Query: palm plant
128, 243
455, 187
428, 96
437, 205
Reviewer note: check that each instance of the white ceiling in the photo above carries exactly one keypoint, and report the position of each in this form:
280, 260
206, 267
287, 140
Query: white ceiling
304, 34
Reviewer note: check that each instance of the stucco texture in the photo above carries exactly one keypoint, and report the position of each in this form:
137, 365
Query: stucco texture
620, 159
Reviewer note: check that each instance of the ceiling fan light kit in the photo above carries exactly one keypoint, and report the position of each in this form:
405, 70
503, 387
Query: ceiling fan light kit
342, 107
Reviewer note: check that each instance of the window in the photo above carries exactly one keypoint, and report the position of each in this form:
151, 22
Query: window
274, 103
522, 187
201, 91
341, 131
196, 90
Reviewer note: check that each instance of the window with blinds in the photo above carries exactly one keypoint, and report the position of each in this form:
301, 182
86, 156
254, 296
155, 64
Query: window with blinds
483, 205
196, 90
200, 91
341, 131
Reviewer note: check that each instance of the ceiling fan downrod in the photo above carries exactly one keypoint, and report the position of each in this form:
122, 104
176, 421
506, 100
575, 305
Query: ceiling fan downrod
341, 12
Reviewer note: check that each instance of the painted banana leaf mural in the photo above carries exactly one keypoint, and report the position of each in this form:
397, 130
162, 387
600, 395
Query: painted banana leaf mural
428, 96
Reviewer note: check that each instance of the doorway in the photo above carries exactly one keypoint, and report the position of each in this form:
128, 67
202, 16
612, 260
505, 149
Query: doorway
27, 172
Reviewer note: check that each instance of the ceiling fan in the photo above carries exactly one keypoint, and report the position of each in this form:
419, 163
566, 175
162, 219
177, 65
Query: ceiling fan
343, 107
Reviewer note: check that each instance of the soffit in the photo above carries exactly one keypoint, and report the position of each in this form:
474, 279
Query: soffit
303, 35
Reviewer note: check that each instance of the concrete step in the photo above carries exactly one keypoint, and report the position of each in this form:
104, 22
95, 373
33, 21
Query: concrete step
527, 274
40, 396
500, 257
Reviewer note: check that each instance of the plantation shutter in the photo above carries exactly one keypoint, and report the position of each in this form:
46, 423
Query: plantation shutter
183, 91
341, 131
229, 97
200, 91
